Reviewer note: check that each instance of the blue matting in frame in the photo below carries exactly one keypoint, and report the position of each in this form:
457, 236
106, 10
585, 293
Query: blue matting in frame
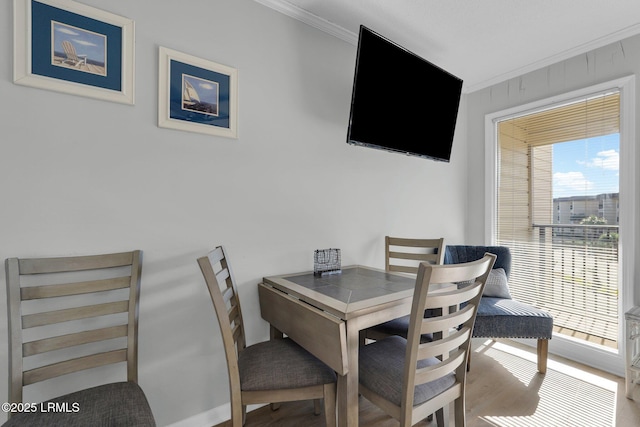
177, 111
42, 16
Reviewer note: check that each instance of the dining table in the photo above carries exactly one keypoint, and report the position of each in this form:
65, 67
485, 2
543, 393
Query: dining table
326, 315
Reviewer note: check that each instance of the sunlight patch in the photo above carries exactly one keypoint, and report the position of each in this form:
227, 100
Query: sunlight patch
587, 399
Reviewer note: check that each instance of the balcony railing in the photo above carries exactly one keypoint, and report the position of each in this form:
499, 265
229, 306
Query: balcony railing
572, 271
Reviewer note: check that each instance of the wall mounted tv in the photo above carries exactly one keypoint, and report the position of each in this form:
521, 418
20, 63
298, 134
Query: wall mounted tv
400, 101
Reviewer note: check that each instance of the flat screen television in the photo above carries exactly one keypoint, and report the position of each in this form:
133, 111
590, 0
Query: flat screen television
400, 101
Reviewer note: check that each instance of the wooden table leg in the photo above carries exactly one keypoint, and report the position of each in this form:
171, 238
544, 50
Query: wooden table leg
348, 384
274, 333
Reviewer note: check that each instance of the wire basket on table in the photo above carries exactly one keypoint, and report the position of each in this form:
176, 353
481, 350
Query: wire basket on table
326, 261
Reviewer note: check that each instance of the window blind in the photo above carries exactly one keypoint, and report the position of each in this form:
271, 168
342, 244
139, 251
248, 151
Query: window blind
587, 118
571, 277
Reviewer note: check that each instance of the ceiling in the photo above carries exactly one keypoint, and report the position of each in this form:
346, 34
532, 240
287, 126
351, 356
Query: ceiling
481, 41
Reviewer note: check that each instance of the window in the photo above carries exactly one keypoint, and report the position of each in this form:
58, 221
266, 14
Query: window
567, 266
568, 263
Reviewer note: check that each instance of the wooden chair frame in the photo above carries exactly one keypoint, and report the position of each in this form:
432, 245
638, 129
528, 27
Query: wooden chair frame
434, 256
17, 270
224, 295
403, 255
454, 326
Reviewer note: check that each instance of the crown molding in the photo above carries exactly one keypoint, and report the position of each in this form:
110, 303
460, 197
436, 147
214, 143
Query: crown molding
570, 53
311, 19
322, 24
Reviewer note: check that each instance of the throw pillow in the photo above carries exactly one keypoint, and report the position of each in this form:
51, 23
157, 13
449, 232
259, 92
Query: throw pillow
497, 284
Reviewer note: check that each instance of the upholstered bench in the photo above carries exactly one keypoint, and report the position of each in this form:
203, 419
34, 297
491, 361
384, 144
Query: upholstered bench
503, 317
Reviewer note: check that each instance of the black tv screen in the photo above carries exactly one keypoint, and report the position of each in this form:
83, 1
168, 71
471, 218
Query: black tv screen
400, 101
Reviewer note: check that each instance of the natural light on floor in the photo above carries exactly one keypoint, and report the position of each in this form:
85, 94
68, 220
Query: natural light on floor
586, 399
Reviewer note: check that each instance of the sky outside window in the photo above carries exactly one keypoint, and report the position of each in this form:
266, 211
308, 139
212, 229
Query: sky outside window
586, 167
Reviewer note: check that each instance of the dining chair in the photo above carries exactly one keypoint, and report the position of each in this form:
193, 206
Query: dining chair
403, 255
410, 379
273, 371
70, 317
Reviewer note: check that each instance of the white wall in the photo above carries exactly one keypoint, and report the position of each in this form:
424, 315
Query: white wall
82, 176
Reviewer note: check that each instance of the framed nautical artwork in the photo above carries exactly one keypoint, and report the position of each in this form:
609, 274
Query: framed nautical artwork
70, 47
197, 95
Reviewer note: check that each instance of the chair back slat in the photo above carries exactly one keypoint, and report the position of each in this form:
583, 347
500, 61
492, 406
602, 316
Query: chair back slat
234, 314
71, 340
443, 346
216, 255
432, 258
74, 365
222, 275
404, 255
59, 316
450, 273
442, 369
453, 296
79, 288
79, 263
65, 307
416, 243
446, 322
227, 293
238, 332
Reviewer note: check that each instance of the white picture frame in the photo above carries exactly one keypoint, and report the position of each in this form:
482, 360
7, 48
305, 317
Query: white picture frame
197, 95
97, 61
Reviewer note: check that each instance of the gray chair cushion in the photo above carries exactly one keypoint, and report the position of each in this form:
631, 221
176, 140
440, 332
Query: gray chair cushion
281, 364
400, 327
120, 404
381, 370
508, 318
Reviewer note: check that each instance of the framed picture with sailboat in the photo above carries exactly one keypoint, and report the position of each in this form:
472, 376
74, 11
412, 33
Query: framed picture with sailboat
70, 47
197, 95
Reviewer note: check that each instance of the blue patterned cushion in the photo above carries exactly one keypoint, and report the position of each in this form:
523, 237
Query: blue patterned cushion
508, 318
281, 364
120, 404
456, 254
381, 369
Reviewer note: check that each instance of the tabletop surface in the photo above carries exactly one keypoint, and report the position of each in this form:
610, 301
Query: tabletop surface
354, 284
353, 292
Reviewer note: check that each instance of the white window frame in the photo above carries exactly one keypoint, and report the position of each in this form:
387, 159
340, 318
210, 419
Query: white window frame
610, 361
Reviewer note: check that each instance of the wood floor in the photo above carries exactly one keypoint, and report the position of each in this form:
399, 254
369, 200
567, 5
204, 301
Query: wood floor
504, 389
